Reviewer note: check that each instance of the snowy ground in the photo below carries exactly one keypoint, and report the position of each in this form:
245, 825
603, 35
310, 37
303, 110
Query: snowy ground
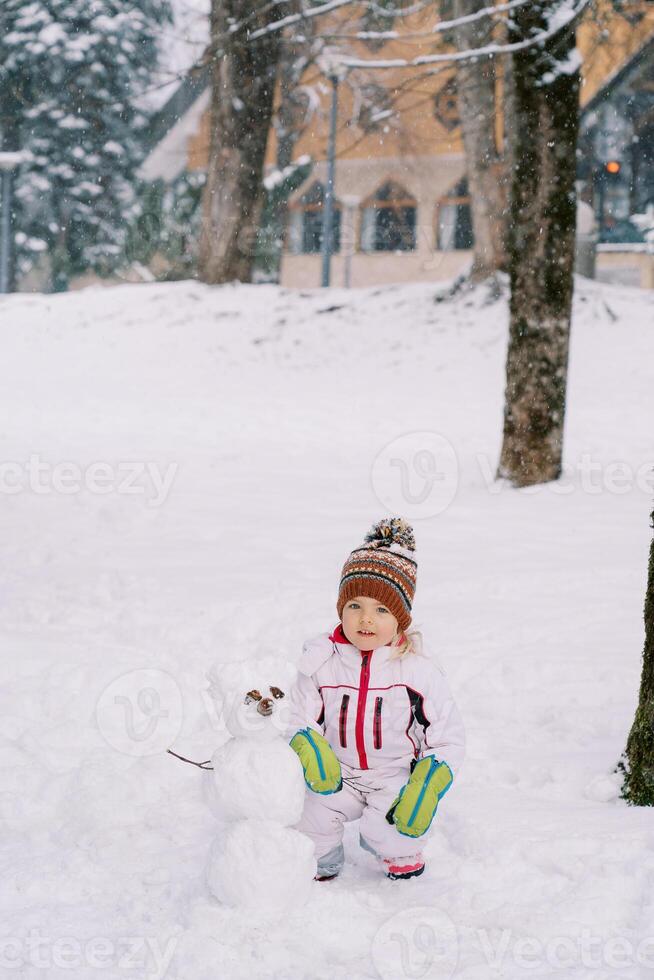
287, 423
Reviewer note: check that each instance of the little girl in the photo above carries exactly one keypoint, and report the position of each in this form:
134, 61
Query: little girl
377, 731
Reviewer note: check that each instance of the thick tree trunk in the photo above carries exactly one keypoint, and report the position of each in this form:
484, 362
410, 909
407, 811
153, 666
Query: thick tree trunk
639, 773
541, 241
242, 91
476, 92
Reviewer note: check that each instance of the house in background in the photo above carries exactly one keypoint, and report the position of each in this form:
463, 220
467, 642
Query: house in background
616, 144
402, 209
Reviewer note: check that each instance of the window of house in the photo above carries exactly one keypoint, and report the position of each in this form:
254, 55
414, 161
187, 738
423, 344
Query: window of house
306, 220
454, 219
388, 221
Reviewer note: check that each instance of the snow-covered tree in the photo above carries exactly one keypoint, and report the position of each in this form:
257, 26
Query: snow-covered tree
638, 765
541, 238
73, 75
166, 230
245, 63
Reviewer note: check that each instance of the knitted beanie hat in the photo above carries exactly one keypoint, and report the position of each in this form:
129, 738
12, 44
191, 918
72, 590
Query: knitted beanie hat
383, 568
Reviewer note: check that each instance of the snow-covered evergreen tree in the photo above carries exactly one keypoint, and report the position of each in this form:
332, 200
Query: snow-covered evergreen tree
638, 761
73, 72
168, 226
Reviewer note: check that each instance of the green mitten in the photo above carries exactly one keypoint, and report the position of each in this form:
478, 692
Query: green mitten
322, 770
415, 808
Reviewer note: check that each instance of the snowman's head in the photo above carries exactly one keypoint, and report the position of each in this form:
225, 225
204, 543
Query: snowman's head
252, 696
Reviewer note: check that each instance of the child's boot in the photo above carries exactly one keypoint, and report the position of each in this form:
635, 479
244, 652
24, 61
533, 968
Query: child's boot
330, 864
410, 867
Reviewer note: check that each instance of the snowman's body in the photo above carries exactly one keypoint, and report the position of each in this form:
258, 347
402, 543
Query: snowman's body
258, 795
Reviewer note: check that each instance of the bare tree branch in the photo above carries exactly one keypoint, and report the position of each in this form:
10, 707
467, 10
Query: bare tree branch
488, 51
440, 27
279, 25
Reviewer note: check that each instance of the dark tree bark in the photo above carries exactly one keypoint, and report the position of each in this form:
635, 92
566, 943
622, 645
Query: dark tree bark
476, 94
242, 92
541, 240
638, 785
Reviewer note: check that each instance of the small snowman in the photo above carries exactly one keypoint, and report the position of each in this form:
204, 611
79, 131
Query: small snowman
257, 792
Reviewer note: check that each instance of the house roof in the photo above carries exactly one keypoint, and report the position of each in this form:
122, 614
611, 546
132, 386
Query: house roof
620, 76
190, 88
172, 126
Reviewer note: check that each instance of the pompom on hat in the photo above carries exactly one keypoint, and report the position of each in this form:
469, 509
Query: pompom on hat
384, 567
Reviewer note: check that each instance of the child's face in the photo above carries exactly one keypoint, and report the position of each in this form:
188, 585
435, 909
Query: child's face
368, 624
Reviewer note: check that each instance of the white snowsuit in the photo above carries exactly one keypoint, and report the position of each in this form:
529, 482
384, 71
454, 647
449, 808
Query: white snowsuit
378, 714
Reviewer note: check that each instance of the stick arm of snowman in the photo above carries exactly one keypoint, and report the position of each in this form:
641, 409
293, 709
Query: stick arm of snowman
200, 765
207, 767
263, 707
322, 771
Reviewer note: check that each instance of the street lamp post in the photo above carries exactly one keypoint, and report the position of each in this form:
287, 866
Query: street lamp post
9, 163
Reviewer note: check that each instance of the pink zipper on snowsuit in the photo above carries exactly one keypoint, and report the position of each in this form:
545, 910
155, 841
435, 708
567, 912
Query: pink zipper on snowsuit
364, 680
